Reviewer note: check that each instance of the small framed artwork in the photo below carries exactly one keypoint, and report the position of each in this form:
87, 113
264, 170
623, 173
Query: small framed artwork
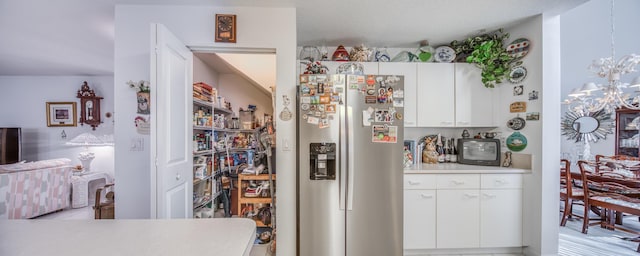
61, 114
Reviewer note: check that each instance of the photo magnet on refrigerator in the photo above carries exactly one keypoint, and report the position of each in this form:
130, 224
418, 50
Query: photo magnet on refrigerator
398, 93
398, 103
313, 120
384, 134
366, 118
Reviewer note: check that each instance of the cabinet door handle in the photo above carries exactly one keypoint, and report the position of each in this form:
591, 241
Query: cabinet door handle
463, 122
488, 195
414, 182
467, 195
426, 195
178, 176
500, 182
457, 183
407, 122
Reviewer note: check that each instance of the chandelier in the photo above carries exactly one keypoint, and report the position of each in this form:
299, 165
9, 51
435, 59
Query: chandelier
593, 97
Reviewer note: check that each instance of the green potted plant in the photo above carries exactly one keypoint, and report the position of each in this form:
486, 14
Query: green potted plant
487, 51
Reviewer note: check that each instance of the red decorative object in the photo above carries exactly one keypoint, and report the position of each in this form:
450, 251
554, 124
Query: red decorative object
341, 54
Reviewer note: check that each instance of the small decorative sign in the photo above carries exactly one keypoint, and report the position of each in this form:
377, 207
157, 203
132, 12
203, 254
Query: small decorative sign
518, 106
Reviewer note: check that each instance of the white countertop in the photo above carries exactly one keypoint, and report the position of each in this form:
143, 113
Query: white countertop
459, 169
185, 237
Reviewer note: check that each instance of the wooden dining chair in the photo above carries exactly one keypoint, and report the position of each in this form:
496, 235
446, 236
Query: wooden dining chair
589, 169
569, 193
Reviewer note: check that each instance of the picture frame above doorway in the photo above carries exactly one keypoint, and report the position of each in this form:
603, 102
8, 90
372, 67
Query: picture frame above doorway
61, 114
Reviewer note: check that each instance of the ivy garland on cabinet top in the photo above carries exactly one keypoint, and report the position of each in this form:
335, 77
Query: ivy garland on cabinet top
488, 52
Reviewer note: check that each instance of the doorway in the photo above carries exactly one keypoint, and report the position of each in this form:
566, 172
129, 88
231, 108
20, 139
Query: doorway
243, 136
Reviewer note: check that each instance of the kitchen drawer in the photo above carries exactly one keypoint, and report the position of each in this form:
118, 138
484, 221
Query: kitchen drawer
458, 181
498, 181
419, 181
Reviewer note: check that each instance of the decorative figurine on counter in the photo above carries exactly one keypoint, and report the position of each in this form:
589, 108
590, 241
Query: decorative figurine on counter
465, 134
507, 159
429, 154
478, 136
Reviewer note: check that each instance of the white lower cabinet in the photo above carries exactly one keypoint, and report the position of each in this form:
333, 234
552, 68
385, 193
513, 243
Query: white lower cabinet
500, 218
462, 211
420, 219
501, 210
458, 216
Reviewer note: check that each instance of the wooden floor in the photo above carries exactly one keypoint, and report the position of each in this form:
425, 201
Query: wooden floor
599, 242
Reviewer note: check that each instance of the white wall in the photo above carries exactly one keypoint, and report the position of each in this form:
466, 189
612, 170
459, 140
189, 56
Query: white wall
23, 104
203, 73
533, 196
581, 46
273, 28
234, 88
241, 93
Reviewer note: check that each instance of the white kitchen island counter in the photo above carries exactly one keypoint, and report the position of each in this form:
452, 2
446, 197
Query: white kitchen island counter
197, 237
453, 168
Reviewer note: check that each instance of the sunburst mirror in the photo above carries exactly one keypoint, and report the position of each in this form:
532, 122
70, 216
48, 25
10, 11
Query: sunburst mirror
589, 127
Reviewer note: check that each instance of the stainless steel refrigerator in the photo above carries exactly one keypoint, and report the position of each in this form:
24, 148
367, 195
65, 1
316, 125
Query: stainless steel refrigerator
349, 180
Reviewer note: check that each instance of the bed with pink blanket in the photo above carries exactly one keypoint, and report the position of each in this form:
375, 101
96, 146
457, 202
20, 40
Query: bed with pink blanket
32, 189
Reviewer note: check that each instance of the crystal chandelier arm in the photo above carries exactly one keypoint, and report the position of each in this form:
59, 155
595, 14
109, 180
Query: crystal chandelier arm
623, 101
628, 63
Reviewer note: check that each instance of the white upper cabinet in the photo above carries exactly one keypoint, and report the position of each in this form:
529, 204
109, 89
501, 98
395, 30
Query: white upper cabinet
408, 70
435, 95
474, 102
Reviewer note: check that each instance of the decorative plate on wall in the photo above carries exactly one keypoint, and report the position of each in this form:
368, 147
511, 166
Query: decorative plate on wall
518, 48
516, 142
517, 74
516, 123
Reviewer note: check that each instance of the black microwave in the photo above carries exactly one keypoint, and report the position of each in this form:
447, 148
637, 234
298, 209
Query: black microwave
479, 151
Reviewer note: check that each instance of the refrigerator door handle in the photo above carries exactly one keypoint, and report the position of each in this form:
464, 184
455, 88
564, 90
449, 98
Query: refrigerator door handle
350, 159
342, 161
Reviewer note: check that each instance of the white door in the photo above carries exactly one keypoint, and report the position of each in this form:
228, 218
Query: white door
171, 144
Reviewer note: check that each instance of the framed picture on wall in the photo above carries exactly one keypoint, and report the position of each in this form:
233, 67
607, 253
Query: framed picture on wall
61, 114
